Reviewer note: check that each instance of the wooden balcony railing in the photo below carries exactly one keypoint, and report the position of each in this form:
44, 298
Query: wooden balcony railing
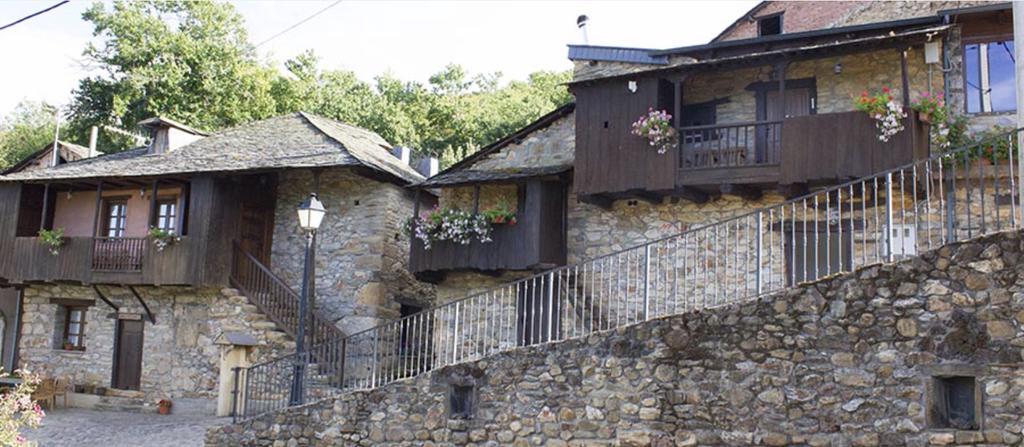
99, 260
118, 254
730, 145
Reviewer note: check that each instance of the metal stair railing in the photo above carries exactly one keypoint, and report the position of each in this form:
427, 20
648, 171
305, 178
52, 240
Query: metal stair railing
893, 214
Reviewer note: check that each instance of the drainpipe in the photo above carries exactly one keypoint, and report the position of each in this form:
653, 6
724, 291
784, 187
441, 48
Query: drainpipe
1018, 36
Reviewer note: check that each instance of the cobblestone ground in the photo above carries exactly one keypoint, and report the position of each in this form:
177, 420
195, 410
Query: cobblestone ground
84, 428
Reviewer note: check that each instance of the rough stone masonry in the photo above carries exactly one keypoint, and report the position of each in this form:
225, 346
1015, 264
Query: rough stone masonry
851, 360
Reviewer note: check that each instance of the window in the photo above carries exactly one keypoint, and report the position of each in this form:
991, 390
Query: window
116, 217
771, 25
954, 403
460, 402
167, 214
990, 77
71, 327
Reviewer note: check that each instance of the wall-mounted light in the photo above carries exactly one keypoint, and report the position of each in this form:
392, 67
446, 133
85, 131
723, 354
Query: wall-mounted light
69, 195
838, 68
142, 192
632, 86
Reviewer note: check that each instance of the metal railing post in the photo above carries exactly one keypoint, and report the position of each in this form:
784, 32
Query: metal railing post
888, 217
455, 334
551, 305
757, 257
647, 282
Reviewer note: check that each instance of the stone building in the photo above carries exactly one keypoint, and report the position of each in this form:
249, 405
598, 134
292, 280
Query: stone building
167, 248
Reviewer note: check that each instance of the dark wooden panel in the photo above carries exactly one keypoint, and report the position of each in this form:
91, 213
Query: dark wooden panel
609, 158
538, 239
832, 147
127, 371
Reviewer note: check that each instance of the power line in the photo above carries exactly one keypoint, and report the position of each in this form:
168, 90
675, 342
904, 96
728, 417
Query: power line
33, 15
275, 36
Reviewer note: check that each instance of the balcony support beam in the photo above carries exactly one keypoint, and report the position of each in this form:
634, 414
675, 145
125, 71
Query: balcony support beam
99, 204
600, 200
149, 314
692, 194
747, 192
46, 207
104, 298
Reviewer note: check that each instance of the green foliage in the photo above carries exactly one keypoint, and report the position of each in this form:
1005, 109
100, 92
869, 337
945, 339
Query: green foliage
24, 131
52, 239
187, 60
191, 61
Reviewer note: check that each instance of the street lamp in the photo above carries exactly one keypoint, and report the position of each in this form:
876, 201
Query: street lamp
311, 213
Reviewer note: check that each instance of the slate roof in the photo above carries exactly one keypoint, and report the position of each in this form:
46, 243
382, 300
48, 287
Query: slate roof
462, 172
296, 140
69, 152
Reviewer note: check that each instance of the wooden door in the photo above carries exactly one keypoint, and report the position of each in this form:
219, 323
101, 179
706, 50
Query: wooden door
257, 224
769, 138
128, 355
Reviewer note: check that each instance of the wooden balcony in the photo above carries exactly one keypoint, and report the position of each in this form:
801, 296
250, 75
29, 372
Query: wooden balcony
812, 149
536, 241
130, 261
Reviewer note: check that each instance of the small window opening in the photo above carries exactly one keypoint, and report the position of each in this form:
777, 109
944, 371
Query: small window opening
954, 403
769, 26
460, 402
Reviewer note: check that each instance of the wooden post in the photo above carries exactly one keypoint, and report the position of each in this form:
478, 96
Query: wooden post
186, 191
476, 199
99, 203
904, 77
46, 207
780, 72
153, 212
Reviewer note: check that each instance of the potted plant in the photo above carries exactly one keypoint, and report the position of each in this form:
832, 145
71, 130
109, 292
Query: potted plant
163, 238
53, 239
164, 406
501, 214
449, 224
656, 127
885, 110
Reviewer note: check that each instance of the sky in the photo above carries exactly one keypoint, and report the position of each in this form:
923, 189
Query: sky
411, 39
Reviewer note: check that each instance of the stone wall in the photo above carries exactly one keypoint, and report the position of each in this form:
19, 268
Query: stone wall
179, 359
835, 92
362, 256
847, 361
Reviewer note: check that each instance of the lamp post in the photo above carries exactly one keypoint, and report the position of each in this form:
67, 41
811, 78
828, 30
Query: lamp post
311, 213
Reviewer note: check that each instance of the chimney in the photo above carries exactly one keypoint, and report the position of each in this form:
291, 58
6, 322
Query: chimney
402, 153
581, 22
94, 134
167, 135
428, 167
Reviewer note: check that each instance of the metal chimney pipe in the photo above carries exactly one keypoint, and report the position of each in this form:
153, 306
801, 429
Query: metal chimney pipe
56, 136
94, 134
581, 22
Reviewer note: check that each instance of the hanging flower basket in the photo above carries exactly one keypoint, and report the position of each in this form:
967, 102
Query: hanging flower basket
449, 224
656, 127
885, 110
53, 240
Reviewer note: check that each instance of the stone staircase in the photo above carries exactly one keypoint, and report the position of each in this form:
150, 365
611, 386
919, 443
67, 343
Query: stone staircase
273, 340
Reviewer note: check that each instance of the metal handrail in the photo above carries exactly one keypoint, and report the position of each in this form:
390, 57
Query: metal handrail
880, 218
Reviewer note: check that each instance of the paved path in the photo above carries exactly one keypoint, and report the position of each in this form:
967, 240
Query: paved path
84, 428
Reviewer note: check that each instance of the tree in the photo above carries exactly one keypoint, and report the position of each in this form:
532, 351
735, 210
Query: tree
189, 61
25, 130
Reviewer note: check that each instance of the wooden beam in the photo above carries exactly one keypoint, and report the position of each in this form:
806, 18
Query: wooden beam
99, 203
780, 73
747, 192
904, 77
599, 200
186, 191
651, 197
476, 199
149, 314
692, 194
153, 205
104, 298
46, 207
